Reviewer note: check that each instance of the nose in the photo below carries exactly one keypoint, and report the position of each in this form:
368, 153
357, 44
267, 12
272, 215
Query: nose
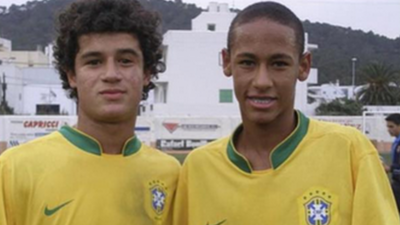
262, 79
111, 73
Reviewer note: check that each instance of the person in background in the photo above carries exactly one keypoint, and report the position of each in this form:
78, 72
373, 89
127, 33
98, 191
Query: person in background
279, 166
99, 172
393, 126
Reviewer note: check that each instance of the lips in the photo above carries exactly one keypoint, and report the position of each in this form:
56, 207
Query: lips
112, 94
262, 102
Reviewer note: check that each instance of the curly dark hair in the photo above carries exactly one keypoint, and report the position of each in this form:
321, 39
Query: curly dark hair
105, 16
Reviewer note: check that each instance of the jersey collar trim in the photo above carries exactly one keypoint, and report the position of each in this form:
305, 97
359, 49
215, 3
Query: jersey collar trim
91, 145
280, 154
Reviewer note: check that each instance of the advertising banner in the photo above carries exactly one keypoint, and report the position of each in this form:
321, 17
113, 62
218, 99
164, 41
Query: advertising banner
186, 133
21, 129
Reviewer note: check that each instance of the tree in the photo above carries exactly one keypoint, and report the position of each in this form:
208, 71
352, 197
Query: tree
340, 107
381, 85
5, 109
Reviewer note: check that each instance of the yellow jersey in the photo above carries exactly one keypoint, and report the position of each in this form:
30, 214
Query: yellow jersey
65, 178
322, 174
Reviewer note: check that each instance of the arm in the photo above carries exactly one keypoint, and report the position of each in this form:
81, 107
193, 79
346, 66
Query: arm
181, 203
373, 201
3, 204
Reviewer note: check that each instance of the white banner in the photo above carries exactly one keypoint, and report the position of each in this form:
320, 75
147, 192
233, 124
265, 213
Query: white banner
21, 129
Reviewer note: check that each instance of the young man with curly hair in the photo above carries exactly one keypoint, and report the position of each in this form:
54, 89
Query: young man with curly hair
279, 166
98, 172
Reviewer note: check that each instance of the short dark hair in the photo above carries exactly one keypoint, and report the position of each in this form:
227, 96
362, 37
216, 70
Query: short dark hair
395, 118
270, 11
107, 16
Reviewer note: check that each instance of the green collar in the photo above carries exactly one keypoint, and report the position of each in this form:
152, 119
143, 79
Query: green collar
90, 145
279, 154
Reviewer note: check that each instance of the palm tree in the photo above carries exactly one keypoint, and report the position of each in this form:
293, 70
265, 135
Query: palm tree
340, 107
381, 85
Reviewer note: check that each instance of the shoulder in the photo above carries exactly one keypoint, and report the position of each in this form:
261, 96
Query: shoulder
323, 128
211, 151
32, 149
346, 136
160, 158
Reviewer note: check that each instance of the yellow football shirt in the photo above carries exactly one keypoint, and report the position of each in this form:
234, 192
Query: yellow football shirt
64, 178
323, 174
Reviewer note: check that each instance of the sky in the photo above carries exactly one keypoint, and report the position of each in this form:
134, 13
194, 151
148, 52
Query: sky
379, 16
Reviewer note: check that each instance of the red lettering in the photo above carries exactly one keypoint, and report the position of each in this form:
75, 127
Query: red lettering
40, 124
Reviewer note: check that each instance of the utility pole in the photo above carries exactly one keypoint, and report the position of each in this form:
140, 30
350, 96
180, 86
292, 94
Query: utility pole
353, 74
353, 71
3, 88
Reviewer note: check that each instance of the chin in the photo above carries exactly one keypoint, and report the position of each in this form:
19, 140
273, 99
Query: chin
116, 116
261, 119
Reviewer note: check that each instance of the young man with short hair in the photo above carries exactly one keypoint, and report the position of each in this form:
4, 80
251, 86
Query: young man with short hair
393, 126
279, 166
98, 172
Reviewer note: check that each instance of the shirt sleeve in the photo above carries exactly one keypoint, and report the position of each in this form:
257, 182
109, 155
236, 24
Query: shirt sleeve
373, 197
4, 215
181, 204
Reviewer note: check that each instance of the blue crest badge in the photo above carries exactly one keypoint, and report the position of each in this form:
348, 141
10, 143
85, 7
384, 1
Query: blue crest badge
319, 206
158, 198
318, 211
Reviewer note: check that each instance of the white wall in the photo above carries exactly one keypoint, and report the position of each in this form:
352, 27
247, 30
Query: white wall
5, 44
302, 92
35, 94
28, 86
217, 16
14, 86
194, 66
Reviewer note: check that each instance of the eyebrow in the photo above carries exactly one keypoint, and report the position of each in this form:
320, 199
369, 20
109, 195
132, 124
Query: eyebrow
90, 54
280, 56
129, 51
273, 57
246, 55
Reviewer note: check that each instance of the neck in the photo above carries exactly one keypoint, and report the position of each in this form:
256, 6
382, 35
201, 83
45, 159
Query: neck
111, 136
257, 141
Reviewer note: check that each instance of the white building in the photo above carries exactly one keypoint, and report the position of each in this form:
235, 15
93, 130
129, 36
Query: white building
33, 86
194, 83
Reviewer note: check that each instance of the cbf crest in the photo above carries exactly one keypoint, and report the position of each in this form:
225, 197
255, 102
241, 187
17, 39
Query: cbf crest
158, 196
316, 207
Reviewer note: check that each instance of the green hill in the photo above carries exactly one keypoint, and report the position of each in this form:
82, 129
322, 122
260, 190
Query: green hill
32, 24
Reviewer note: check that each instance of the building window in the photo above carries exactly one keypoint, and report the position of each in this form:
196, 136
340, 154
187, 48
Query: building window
164, 54
211, 26
225, 96
160, 92
47, 109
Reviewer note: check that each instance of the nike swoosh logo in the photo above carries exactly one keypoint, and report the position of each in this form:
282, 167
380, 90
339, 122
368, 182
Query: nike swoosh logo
49, 212
218, 223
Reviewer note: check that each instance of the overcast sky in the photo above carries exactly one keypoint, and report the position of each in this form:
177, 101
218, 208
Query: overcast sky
380, 16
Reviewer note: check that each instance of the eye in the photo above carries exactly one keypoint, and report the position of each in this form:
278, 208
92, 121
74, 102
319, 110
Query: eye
280, 64
93, 62
125, 61
247, 63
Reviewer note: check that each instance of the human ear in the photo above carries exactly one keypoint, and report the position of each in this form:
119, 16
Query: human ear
226, 62
71, 78
305, 66
146, 78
